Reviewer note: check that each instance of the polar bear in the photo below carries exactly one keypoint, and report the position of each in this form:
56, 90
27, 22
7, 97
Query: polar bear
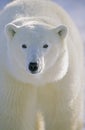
41, 68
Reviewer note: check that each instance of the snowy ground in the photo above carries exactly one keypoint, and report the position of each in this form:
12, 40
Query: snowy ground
76, 9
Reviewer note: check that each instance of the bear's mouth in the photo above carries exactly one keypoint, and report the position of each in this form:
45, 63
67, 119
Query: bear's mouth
36, 72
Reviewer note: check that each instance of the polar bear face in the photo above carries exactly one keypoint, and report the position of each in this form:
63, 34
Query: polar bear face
37, 53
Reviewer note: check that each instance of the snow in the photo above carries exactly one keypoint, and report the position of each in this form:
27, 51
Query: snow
76, 9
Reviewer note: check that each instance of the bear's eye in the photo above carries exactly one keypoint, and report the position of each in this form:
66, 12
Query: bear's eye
45, 46
24, 46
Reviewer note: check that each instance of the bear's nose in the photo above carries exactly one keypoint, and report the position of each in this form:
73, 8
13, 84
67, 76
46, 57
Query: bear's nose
33, 67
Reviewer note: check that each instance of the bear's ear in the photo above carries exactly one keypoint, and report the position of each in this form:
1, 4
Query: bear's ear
10, 30
61, 30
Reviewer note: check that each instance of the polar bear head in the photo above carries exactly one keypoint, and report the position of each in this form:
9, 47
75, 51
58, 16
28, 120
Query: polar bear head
37, 52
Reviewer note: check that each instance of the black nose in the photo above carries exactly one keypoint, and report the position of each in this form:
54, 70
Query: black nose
33, 67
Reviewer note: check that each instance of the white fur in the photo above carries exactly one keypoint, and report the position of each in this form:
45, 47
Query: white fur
52, 98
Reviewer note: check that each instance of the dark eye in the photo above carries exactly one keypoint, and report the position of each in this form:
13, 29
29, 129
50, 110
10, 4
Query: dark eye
24, 46
45, 46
